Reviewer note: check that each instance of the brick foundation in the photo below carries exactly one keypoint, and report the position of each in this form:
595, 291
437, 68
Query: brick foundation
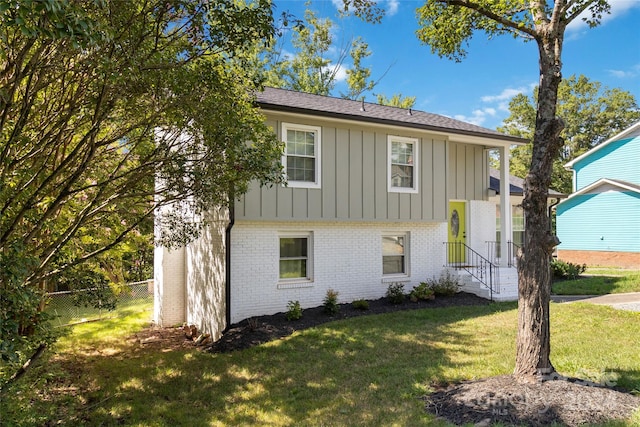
629, 260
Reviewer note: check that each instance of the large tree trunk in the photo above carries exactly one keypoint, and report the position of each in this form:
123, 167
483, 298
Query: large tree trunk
534, 278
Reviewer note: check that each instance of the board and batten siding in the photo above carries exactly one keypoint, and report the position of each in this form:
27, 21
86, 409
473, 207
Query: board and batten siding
354, 180
604, 221
618, 160
468, 172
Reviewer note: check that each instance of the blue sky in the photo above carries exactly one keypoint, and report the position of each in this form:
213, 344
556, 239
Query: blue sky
478, 89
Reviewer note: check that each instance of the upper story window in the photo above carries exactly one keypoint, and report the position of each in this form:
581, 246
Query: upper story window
301, 159
403, 164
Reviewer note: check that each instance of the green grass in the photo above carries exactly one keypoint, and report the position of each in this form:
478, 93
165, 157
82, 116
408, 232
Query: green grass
370, 370
600, 281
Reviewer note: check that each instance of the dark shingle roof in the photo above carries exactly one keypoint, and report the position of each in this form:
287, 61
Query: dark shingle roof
326, 106
516, 184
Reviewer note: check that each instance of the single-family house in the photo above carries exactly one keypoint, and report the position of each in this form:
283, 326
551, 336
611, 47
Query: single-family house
376, 195
599, 223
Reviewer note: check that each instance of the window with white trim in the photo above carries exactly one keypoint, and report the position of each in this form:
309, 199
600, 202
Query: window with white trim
301, 159
402, 164
395, 254
295, 257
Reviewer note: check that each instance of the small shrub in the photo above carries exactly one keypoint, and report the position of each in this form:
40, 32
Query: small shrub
252, 322
330, 303
395, 293
446, 285
361, 304
421, 292
294, 311
566, 270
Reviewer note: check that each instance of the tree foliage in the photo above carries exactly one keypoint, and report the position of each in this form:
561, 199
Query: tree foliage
309, 67
96, 99
313, 65
397, 100
447, 26
591, 114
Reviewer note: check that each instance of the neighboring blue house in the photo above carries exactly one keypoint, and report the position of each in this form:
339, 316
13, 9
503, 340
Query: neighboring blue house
599, 223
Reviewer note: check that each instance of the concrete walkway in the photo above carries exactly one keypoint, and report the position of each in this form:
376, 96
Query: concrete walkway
629, 301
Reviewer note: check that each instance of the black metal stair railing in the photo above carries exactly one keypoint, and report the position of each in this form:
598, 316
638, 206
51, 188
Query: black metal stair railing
462, 257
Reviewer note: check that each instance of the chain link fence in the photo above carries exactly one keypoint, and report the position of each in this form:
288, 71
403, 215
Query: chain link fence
132, 297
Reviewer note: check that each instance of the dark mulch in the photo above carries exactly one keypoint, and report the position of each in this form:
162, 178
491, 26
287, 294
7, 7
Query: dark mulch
261, 329
504, 400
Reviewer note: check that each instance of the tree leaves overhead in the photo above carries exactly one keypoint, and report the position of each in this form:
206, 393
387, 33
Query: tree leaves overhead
591, 113
96, 99
447, 26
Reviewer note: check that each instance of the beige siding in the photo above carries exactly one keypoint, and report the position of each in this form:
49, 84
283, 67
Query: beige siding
354, 178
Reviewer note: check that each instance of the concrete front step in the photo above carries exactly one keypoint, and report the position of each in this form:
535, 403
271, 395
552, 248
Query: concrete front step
507, 285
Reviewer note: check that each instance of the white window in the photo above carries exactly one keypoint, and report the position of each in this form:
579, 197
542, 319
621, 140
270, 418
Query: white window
301, 159
403, 164
395, 254
517, 224
295, 257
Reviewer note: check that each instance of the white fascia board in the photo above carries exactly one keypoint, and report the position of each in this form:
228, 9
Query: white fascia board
622, 135
603, 181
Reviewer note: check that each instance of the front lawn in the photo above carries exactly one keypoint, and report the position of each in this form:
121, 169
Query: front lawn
370, 370
600, 281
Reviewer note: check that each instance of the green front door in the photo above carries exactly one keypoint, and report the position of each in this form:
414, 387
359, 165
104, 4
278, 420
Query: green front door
457, 232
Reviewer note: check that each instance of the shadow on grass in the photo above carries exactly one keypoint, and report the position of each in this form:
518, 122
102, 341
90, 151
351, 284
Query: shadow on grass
369, 370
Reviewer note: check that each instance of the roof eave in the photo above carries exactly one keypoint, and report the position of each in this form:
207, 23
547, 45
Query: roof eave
376, 120
628, 131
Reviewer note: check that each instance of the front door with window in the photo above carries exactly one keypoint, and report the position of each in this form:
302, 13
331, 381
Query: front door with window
457, 232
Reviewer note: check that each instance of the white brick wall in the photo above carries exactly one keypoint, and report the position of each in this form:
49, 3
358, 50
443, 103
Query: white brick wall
482, 225
205, 277
169, 286
347, 257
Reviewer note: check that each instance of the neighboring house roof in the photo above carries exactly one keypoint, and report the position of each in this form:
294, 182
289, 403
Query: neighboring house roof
613, 184
339, 108
631, 131
516, 184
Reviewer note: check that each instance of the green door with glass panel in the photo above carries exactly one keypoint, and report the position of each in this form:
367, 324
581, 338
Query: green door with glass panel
456, 253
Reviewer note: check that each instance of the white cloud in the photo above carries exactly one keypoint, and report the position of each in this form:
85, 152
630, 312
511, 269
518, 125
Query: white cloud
341, 72
505, 96
494, 108
618, 8
392, 7
625, 74
477, 117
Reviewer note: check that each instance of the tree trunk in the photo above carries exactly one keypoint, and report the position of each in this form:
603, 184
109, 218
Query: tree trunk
534, 277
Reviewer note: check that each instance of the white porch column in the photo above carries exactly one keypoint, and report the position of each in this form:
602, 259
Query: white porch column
506, 228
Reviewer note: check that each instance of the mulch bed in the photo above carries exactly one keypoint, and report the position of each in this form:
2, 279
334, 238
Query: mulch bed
261, 329
503, 399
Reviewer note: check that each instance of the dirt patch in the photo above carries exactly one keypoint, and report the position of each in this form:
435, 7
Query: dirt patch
503, 399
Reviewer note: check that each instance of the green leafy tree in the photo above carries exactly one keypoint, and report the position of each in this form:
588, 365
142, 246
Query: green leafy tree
591, 114
397, 100
96, 99
309, 67
447, 26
